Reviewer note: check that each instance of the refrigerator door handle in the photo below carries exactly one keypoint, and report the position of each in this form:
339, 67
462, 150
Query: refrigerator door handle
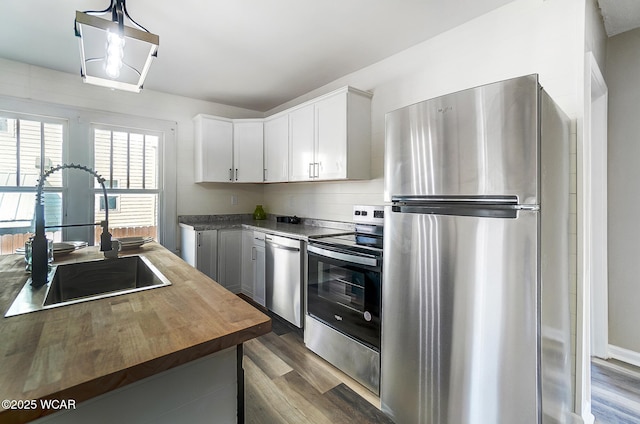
528, 207
477, 200
485, 211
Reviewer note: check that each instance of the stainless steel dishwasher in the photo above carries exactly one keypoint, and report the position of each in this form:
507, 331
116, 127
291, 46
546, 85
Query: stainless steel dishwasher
283, 294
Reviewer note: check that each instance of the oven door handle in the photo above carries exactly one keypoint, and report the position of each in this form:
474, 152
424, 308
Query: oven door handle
357, 259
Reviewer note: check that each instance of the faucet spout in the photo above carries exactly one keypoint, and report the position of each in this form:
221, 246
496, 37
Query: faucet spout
39, 258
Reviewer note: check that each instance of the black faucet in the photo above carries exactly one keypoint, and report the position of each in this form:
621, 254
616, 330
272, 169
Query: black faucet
39, 254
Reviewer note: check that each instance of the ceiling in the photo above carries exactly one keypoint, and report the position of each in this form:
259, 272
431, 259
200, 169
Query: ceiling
255, 54
620, 15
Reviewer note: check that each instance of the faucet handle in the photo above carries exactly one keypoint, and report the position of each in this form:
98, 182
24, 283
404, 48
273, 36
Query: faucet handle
116, 246
105, 237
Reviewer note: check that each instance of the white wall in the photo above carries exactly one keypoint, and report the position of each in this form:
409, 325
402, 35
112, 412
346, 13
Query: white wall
595, 34
623, 80
586, 224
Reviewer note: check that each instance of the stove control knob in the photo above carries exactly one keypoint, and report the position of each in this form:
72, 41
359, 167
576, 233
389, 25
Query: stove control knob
367, 316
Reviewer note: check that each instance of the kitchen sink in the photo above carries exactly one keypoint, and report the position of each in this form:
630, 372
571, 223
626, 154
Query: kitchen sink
85, 281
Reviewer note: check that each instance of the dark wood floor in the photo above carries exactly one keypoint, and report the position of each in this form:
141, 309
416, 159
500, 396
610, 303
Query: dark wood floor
287, 383
615, 392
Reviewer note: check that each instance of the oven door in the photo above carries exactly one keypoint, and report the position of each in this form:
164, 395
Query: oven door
344, 291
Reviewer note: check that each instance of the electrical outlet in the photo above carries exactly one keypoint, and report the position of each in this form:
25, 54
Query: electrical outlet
234, 199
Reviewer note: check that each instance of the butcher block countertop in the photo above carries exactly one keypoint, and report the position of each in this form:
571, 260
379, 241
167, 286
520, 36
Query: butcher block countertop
80, 351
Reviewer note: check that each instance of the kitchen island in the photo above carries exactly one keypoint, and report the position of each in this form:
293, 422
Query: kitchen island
159, 343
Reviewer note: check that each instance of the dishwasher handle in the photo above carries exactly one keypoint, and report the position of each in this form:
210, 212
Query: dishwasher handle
281, 246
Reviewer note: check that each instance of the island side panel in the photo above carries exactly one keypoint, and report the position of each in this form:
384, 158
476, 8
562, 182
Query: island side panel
202, 391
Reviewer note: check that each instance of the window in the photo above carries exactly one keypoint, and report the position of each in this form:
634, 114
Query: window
129, 162
113, 203
112, 200
28, 145
135, 165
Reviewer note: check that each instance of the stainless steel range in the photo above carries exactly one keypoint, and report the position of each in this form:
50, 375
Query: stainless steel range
344, 289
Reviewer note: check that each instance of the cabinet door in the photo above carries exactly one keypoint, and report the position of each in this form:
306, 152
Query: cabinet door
248, 255
331, 127
276, 149
207, 252
259, 273
188, 245
301, 144
247, 152
230, 259
214, 149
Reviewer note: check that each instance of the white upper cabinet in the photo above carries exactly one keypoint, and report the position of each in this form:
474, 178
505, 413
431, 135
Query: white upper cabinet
228, 150
327, 138
331, 133
247, 151
276, 149
213, 148
330, 138
301, 143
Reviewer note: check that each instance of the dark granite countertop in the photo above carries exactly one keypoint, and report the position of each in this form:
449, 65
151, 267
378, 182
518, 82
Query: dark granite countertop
308, 228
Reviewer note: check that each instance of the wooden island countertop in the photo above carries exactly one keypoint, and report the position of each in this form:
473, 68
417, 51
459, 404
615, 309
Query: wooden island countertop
87, 349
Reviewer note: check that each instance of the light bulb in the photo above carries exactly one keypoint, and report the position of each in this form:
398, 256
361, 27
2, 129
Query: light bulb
114, 54
112, 69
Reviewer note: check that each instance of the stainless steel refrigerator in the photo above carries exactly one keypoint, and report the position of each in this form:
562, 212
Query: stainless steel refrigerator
475, 315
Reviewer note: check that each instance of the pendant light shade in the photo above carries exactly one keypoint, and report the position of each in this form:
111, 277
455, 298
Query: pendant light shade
113, 54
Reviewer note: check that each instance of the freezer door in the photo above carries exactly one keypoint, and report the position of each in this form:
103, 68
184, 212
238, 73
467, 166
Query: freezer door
459, 319
477, 142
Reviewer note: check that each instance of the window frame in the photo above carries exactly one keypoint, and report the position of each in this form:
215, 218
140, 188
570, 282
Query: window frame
32, 189
78, 134
158, 191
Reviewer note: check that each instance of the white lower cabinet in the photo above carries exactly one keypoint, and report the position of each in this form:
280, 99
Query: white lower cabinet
230, 259
259, 268
217, 253
247, 262
253, 265
200, 250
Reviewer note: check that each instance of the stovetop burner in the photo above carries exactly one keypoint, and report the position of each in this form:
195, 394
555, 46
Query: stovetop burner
367, 237
352, 242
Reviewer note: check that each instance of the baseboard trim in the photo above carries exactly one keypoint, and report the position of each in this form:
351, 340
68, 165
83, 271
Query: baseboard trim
624, 355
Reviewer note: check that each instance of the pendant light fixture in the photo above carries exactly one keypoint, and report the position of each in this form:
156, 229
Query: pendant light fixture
113, 54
